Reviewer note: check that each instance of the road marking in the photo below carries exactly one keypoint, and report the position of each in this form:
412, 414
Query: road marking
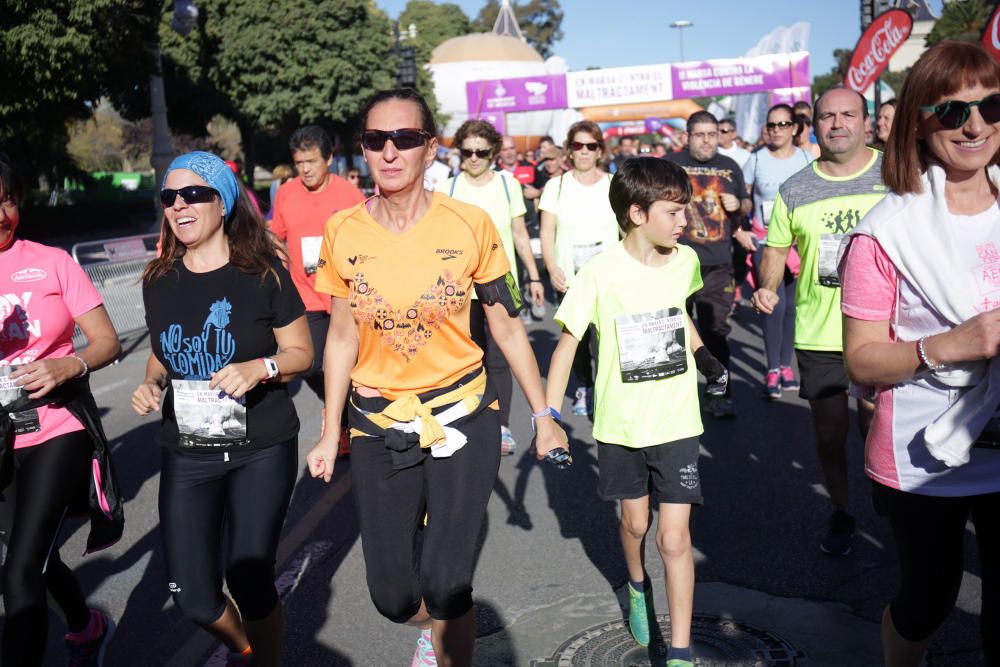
100, 391
200, 642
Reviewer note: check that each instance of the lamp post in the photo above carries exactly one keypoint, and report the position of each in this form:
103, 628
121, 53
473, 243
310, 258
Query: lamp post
680, 25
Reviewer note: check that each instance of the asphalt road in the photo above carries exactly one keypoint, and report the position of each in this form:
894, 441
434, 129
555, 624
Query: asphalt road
550, 564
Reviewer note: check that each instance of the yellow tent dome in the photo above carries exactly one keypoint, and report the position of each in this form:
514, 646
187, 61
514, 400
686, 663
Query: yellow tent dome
483, 46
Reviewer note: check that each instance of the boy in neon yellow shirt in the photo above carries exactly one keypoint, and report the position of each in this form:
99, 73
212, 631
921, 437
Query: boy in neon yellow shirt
646, 417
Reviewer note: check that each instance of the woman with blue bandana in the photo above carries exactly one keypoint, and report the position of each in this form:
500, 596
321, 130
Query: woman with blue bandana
227, 331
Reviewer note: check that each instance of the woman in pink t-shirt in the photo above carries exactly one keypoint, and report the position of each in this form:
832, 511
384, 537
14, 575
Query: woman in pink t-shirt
46, 449
921, 300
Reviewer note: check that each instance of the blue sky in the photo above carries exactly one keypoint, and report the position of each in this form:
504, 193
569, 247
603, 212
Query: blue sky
603, 33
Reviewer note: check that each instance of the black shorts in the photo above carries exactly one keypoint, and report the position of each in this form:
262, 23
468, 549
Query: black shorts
822, 374
669, 472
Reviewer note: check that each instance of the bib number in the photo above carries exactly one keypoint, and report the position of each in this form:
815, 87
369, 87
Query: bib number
25, 421
310, 253
652, 345
765, 211
829, 247
583, 252
208, 418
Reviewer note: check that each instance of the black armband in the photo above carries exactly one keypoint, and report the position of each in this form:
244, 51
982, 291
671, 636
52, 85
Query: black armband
715, 373
503, 290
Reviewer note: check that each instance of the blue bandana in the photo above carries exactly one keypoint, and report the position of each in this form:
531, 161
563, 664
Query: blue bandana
214, 171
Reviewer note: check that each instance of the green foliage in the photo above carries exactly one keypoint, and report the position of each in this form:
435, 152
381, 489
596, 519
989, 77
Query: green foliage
963, 21
824, 82
434, 24
540, 21
96, 144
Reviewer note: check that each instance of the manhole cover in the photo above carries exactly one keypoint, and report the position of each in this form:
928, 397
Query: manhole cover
716, 642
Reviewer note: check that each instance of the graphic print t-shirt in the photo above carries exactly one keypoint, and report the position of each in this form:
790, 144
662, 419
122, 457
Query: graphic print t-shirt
815, 211
201, 322
410, 292
42, 291
710, 228
646, 390
299, 217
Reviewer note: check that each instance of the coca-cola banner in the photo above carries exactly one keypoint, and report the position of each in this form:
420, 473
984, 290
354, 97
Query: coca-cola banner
991, 34
872, 53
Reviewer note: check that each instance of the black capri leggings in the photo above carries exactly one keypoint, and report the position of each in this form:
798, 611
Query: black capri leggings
453, 491
929, 532
497, 368
48, 478
248, 494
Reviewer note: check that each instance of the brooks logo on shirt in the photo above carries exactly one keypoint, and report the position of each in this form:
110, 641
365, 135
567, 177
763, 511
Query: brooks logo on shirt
449, 253
200, 355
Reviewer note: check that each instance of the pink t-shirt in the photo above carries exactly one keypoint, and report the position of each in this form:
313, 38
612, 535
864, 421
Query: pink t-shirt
42, 291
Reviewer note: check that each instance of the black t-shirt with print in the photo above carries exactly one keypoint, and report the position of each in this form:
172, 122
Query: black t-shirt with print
709, 227
201, 322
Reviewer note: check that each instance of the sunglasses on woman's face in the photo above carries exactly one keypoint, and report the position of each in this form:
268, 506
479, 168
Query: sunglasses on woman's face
191, 194
482, 154
952, 114
579, 146
404, 140
783, 124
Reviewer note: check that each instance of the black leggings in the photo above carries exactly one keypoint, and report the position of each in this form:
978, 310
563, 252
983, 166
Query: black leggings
929, 532
494, 361
48, 478
319, 324
248, 495
453, 491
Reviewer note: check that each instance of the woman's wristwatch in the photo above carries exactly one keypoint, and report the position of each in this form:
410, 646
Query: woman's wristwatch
272, 368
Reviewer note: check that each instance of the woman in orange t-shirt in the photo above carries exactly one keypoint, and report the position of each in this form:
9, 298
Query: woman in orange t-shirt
400, 269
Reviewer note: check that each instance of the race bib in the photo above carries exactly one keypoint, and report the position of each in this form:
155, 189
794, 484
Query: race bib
310, 253
583, 252
207, 417
25, 421
765, 211
829, 246
651, 346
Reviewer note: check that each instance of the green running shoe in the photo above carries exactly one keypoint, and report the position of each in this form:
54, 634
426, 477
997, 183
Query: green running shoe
679, 663
639, 605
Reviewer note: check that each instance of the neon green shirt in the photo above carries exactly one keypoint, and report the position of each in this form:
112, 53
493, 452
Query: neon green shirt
646, 390
816, 210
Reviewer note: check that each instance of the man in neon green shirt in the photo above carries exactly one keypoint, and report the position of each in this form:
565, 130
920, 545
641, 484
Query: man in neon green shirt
815, 208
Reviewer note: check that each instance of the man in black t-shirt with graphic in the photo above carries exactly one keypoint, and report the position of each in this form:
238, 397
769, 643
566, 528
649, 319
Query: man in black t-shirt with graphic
719, 203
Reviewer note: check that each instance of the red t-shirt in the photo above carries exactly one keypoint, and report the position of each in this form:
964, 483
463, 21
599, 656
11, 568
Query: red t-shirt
299, 219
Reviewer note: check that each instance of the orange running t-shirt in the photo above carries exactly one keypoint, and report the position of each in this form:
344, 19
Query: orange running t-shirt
299, 217
409, 292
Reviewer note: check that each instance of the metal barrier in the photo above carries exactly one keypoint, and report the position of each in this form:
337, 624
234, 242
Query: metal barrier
115, 267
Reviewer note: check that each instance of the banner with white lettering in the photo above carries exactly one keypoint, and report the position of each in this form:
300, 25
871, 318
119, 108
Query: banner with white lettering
875, 47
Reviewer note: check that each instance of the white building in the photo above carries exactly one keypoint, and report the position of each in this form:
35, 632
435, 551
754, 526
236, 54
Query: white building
916, 43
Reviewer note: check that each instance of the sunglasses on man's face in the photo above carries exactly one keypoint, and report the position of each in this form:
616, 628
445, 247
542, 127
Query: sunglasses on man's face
404, 139
953, 114
191, 194
726, 130
783, 124
482, 154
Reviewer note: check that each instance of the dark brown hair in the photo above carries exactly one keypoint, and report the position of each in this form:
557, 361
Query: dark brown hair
643, 181
478, 129
252, 249
588, 126
942, 70
11, 185
405, 95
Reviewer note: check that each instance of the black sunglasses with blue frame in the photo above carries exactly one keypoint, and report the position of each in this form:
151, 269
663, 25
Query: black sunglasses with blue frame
953, 114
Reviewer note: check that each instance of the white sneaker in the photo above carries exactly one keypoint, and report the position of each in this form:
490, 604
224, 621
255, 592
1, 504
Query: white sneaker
538, 310
580, 404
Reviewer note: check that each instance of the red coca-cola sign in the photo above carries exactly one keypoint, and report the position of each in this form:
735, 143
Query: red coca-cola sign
991, 34
872, 53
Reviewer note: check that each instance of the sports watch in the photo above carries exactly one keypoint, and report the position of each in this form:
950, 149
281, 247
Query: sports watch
272, 368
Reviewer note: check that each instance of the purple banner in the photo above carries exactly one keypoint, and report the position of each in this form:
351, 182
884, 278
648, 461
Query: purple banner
530, 93
494, 118
733, 76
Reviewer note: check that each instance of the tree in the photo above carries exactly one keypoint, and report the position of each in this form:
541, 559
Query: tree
963, 21
273, 66
96, 144
824, 82
540, 21
434, 24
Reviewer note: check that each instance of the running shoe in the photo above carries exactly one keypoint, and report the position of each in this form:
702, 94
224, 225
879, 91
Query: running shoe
580, 408
772, 385
723, 407
679, 663
538, 310
424, 655
526, 316
90, 653
839, 540
639, 605
788, 379
507, 443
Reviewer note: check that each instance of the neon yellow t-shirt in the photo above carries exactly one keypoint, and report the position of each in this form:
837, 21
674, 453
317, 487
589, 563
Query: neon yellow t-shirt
585, 223
501, 205
816, 210
646, 390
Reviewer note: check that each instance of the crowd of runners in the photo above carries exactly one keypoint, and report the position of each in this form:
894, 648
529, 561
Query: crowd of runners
870, 248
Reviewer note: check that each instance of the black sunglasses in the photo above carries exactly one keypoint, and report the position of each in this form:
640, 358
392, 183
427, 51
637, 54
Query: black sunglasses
579, 145
953, 114
191, 194
726, 130
482, 154
404, 140
781, 123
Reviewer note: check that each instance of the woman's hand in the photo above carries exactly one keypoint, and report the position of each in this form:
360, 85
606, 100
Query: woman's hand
976, 338
146, 398
237, 379
323, 457
549, 436
558, 279
40, 377
537, 292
